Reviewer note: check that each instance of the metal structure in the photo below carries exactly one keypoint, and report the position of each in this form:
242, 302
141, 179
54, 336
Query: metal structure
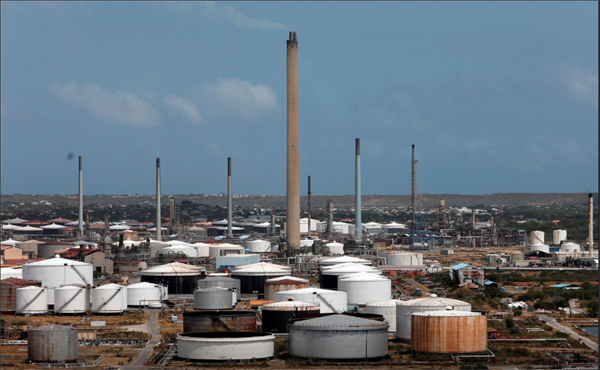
448, 332
338, 337
141, 294
283, 283
309, 211
213, 298
178, 277
293, 157
229, 200
387, 309
275, 316
220, 281
336, 249
404, 309
591, 225
365, 288
328, 300
357, 193
328, 278
259, 246
221, 320
252, 277
32, 300
397, 258
225, 346
109, 299
52, 344
80, 223
158, 213
536, 237
71, 300
8, 292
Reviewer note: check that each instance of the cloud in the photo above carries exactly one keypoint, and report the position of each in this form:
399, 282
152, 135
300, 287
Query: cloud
120, 106
183, 106
223, 12
239, 97
581, 85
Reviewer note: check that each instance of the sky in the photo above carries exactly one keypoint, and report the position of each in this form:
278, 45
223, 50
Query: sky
498, 97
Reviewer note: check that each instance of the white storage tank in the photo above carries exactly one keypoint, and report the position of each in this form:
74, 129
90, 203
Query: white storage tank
540, 247
179, 249
387, 309
336, 249
223, 282
213, 298
32, 300
305, 243
71, 300
328, 279
329, 300
570, 247
433, 303
366, 288
7, 272
404, 259
536, 237
225, 346
141, 294
338, 337
559, 236
202, 249
259, 246
56, 272
252, 277
343, 259
108, 299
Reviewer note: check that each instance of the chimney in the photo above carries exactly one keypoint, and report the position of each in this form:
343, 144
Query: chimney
229, 200
158, 216
357, 194
172, 214
591, 225
473, 241
293, 168
80, 223
309, 211
413, 183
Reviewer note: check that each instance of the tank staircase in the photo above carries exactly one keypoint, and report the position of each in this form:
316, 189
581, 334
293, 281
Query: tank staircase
43, 291
324, 300
69, 301
80, 275
108, 300
218, 320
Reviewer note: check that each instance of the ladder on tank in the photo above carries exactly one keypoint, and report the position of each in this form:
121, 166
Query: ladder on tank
33, 300
108, 300
69, 301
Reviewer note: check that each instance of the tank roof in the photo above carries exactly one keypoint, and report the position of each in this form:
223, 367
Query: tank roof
56, 261
343, 259
433, 302
310, 291
110, 286
283, 305
388, 303
447, 313
363, 277
341, 322
52, 327
286, 280
143, 285
212, 289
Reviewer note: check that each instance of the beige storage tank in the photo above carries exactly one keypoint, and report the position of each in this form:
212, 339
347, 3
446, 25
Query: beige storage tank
448, 332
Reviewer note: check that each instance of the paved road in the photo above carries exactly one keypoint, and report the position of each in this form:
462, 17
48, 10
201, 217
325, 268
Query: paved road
150, 327
550, 321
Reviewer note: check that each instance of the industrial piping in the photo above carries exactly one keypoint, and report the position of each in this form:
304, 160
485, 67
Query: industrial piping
158, 221
357, 195
80, 222
229, 200
293, 168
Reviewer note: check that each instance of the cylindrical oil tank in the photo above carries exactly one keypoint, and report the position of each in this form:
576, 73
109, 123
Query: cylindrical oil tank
338, 337
516, 256
222, 320
213, 298
366, 288
141, 294
558, 236
56, 272
283, 283
202, 249
8, 292
328, 300
433, 303
540, 247
252, 277
220, 281
570, 247
448, 332
107, 299
32, 300
328, 278
343, 259
387, 309
536, 237
49, 249
259, 246
336, 249
225, 346
179, 278
52, 344
404, 259
71, 299
275, 315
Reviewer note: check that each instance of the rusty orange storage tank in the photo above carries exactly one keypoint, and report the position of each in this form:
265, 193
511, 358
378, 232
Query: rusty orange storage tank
448, 332
283, 283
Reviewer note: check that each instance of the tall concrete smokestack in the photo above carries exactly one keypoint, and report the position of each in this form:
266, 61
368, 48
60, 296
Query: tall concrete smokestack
473, 241
413, 190
309, 210
158, 216
80, 227
229, 200
293, 167
357, 193
591, 225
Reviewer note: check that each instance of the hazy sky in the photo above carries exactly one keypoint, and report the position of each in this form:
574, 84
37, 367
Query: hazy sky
497, 96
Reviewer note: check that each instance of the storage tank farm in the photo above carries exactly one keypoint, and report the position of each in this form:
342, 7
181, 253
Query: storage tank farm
71, 300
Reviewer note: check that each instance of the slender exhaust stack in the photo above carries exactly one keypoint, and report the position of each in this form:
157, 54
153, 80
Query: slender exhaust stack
158, 216
591, 225
309, 211
80, 222
293, 167
229, 200
357, 193
413, 185
473, 241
